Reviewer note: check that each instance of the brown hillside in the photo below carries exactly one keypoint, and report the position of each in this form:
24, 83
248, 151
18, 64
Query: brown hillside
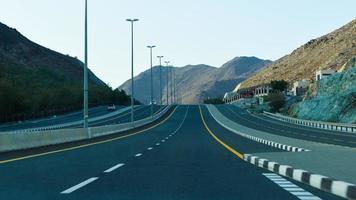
330, 51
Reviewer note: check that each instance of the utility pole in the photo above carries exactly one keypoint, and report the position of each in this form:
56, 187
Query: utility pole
167, 73
85, 87
151, 47
132, 68
175, 86
172, 86
160, 79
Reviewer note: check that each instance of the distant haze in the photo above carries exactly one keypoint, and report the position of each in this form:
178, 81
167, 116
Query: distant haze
195, 83
185, 31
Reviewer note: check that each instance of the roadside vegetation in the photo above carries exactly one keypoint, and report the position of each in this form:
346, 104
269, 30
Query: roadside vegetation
25, 101
276, 100
218, 100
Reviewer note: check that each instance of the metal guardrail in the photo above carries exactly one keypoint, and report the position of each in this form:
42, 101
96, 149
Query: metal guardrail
10, 141
350, 128
68, 124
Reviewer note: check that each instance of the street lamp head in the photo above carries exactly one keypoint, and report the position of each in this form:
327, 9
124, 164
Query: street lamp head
160, 56
132, 20
151, 47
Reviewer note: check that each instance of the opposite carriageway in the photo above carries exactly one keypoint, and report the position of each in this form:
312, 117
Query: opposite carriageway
178, 159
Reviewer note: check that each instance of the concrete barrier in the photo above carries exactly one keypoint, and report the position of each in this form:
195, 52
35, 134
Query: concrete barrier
350, 128
10, 141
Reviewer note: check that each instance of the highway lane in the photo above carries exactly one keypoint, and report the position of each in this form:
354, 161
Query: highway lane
290, 130
140, 112
177, 159
60, 119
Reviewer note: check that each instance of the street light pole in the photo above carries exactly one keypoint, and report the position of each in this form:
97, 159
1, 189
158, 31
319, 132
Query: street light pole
151, 47
132, 68
167, 73
160, 79
85, 75
175, 86
172, 86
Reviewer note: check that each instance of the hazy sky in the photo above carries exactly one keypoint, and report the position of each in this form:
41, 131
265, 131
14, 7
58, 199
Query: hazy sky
185, 31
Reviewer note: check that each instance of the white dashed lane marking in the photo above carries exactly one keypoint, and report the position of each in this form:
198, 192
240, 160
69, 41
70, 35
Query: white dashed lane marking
290, 187
138, 155
114, 167
80, 185
150, 148
157, 144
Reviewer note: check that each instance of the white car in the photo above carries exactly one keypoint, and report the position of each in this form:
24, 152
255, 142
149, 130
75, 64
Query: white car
153, 102
111, 107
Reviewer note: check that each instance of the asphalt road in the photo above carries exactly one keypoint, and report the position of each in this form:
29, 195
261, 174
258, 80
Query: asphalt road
186, 156
140, 112
60, 119
273, 126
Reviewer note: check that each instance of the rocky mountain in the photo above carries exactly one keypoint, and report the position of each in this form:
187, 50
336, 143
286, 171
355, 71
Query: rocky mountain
338, 90
36, 81
330, 51
20, 57
198, 82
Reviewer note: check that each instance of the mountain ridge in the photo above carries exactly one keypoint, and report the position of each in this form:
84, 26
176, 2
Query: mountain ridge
198, 82
19, 50
330, 51
36, 81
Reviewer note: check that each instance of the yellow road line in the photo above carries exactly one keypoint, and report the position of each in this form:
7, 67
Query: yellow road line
238, 154
87, 145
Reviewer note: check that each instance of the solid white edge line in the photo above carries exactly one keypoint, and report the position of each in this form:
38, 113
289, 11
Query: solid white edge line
309, 198
294, 189
304, 193
80, 185
114, 167
290, 187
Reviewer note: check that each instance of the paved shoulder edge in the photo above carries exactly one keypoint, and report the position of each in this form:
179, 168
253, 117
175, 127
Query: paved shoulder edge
41, 150
256, 139
339, 188
333, 186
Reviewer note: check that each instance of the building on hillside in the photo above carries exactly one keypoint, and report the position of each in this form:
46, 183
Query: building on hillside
246, 94
323, 73
234, 96
229, 97
262, 90
300, 87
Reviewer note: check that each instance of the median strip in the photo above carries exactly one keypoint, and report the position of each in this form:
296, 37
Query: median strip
256, 139
339, 188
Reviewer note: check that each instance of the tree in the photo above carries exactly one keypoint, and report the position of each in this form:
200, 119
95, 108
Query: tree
279, 85
218, 100
276, 101
12, 101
